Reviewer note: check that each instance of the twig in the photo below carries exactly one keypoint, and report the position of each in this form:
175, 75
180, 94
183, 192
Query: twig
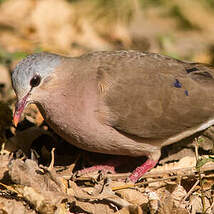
210, 208
190, 192
200, 177
9, 188
51, 166
142, 183
75, 162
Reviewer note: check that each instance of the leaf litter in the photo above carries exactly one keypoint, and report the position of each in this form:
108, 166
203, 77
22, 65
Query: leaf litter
44, 182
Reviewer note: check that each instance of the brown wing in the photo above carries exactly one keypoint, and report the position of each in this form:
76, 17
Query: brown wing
153, 96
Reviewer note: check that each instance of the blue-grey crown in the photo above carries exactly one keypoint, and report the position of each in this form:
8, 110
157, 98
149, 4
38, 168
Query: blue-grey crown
39, 63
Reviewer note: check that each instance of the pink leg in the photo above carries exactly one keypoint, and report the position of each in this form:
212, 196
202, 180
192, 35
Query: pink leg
141, 170
108, 166
105, 168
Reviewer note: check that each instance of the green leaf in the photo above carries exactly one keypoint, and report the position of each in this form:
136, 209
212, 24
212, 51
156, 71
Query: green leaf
201, 162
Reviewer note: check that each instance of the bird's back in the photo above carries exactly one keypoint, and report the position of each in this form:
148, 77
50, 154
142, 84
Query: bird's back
154, 96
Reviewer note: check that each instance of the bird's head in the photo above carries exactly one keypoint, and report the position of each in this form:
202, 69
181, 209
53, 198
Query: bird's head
29, 76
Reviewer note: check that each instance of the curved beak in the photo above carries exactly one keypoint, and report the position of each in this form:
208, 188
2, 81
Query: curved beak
20, 106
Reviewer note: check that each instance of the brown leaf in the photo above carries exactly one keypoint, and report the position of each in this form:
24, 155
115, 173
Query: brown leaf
28, 173
178, 194
8, 206
133, 196
94, 207
4, 161
130, 210
23, 139
44, 202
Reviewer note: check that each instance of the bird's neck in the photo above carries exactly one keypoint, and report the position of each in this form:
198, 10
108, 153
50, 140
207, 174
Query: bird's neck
67, 104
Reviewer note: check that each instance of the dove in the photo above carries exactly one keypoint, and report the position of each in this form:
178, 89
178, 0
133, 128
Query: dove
127, 103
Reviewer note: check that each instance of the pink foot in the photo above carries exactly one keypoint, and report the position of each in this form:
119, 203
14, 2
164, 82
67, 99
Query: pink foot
141, 170
108, 166
105, 168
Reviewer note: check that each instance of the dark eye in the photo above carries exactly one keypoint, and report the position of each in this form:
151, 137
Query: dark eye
35, 81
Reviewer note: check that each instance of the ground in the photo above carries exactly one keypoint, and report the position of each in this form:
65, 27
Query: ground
39, 170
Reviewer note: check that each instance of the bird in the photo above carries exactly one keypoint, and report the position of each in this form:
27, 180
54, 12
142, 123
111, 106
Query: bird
124, 102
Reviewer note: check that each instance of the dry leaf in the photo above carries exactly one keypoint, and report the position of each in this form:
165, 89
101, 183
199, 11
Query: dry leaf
178, 194
130, 210
182, 163
28, 173
5, 78
196, 204
133, 196
53, 28
14, 207
44, 202
94, 207
23, 139
4, 161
